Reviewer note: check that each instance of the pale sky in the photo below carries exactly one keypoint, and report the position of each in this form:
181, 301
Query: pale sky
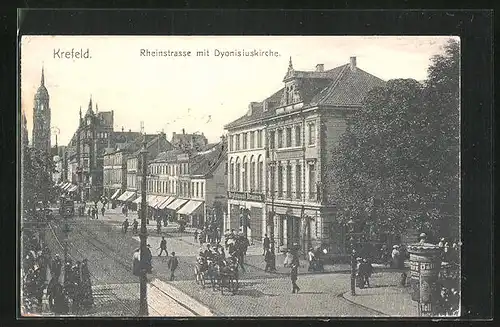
171, 93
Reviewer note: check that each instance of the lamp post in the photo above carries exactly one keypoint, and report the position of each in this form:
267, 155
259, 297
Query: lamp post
351, 225
143, 308
66, 231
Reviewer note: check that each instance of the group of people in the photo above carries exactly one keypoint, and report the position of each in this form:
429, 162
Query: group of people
209, 234
75, 292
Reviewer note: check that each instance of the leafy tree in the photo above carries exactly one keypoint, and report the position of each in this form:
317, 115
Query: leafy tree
396, 165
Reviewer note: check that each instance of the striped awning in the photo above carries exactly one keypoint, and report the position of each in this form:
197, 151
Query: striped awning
157, 201
67, 186
72, 188
151, 200
127, 196
115, 195
190, 207
176, 204
162, 205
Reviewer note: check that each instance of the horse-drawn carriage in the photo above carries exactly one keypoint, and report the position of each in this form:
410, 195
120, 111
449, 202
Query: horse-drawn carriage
221, 273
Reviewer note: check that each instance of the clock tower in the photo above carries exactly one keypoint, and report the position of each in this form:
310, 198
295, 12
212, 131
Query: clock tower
41, 118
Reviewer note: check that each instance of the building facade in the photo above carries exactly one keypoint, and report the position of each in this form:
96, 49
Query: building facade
41, 118
188, 184
303, 122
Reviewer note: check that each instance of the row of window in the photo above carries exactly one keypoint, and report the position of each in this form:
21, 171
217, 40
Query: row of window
247, 140
181, 188
288, 174
291, 136
169, 169
112, 176
99, 135
113, 160
241, 178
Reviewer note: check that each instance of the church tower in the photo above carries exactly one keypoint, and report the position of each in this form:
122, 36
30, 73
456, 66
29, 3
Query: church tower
41, 118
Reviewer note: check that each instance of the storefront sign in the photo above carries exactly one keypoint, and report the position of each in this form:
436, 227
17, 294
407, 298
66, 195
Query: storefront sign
245, 196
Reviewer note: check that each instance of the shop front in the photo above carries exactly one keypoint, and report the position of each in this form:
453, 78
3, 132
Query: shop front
193, 213
173, 207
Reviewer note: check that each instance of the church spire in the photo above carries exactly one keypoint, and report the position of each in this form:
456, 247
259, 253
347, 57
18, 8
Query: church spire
290, 65
42, 82
290, 72
90, 103
80, 112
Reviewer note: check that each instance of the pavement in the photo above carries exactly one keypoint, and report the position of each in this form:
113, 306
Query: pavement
261, 293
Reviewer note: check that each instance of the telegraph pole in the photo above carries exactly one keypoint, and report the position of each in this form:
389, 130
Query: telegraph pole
143, 309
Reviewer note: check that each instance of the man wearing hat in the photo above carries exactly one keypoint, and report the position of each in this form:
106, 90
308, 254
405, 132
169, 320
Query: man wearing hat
149, 258
172, 264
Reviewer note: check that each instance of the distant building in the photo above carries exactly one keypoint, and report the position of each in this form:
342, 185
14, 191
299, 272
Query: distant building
155, 144
188, 141
41, 118
302, 122
188, 184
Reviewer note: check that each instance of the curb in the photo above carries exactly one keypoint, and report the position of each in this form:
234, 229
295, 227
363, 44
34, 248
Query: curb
341, 295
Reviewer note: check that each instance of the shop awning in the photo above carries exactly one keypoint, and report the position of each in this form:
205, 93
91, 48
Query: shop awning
162, 205
138, 200
72, 188
190, 207
159, 199
115, 195
151, 200
127, 196
67, 186
176, 204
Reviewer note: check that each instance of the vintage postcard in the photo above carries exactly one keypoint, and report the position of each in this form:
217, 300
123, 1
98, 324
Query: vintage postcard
246, 176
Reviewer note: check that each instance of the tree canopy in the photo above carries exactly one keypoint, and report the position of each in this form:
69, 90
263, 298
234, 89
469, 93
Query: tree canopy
396, 166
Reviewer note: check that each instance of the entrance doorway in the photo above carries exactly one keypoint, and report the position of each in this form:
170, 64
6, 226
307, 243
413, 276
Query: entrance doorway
292, 230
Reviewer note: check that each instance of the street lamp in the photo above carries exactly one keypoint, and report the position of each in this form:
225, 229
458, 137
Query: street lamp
351, 225
66, 230
143, 235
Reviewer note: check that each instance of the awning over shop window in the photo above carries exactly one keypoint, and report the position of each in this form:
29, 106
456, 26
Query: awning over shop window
162, 205
159, 199
66, 187
72, 188
115, 195
151, 199
176, 204
127, 196
138, 200
190, 207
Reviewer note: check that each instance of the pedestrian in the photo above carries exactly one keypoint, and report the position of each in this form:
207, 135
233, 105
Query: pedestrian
266, 244
172, 264
87, 297
149, 259
58, 303
294, 271
163, 246
55, 267
396, 256
89, 212
96, 212
196, 235
158, 226
135, 224
102, 211
125, 226
268, 259
77, 288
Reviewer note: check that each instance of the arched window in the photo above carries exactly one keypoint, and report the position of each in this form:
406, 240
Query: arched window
231, 173
245, 174
260, 173
237, 174
252, 173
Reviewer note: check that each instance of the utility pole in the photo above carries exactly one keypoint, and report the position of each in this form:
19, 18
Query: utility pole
143, 309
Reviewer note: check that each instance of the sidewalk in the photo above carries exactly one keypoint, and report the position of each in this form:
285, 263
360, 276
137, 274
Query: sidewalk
385, 298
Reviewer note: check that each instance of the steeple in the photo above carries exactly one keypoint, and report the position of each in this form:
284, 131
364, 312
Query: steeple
42, 82
80, 112
89, 110
96, 108
290, 72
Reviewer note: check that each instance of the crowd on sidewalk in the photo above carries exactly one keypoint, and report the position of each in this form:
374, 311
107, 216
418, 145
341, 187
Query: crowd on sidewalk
42, 290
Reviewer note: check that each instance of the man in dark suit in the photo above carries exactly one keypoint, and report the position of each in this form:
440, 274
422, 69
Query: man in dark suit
267, 243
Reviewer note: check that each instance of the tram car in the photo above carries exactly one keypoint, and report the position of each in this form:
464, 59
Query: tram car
66, 207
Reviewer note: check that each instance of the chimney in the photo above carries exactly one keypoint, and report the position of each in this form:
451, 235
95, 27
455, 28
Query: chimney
320, 67
183, 131
264, 105
123, 129
353, 64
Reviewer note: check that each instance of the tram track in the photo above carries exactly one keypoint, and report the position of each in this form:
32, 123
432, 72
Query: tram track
114, 255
